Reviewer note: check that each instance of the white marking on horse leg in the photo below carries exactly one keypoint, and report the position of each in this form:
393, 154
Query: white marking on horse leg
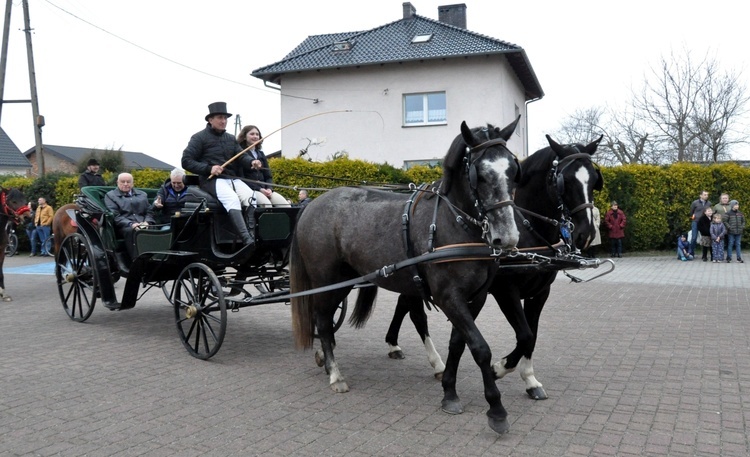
393, 348
526, 369
4, 297
433, 357
500, 370
337, 382
582, 175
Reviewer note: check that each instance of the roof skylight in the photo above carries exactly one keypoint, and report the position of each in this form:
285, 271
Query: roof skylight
422, 38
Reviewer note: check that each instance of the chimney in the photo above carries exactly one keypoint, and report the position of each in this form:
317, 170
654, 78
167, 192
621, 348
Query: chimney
454, 15
409, 10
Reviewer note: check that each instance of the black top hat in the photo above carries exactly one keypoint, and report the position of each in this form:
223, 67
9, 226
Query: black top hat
92, 161
217, 108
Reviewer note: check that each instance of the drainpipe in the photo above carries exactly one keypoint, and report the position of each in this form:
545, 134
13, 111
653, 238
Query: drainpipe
526, 124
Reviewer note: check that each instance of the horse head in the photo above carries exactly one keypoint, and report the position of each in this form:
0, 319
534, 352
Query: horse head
13, 203
572, 181
480, 175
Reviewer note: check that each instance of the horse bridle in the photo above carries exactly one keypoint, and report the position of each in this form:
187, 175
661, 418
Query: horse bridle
471, 173
556, 178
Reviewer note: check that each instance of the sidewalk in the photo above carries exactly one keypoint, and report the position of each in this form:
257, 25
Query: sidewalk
651, 360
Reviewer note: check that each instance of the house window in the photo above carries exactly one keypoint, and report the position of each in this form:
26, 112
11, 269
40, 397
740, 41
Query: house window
424, 109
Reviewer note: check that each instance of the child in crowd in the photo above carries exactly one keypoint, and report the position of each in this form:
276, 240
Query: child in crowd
718, 232
683, 248
735, 224
704, 229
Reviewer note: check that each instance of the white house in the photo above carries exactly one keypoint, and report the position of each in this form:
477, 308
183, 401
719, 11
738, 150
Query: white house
399, 92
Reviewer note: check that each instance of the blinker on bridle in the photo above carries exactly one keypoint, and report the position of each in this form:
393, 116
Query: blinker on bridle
557, 180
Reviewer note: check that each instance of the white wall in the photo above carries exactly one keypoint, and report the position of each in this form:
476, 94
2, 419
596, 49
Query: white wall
478, 90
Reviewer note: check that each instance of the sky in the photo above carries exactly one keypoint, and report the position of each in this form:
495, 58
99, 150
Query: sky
138, 75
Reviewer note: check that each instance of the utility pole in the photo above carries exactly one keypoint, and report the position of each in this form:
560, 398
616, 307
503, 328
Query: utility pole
4, 56
38, 120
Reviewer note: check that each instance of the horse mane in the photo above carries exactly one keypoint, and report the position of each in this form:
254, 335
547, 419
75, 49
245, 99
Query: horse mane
537, 162
453, 160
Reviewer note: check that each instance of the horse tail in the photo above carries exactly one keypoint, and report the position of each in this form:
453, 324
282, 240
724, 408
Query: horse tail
364, 306
303, 322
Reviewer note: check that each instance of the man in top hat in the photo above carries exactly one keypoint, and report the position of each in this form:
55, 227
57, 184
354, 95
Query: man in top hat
91, 176
205, 155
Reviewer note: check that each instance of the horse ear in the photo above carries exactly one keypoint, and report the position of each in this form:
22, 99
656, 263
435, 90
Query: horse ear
467, 135
508, 130
453, 160
555, 146
591, 147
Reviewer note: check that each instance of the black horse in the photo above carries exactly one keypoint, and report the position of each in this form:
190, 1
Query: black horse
558, 183
350, 232
12, 206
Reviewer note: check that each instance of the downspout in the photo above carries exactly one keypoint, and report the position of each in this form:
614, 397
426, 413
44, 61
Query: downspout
526, 124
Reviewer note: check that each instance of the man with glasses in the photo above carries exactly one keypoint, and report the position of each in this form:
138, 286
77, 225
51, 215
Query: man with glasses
171, 197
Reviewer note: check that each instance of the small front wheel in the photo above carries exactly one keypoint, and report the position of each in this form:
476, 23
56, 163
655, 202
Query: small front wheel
76, 277
200, 310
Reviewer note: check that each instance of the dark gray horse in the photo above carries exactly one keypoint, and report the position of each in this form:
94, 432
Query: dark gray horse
349, 232
558, 183
12, 206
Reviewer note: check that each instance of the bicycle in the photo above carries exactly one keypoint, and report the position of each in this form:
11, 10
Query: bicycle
12, 247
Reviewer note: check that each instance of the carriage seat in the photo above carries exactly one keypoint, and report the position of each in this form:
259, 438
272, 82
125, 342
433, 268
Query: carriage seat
92, 200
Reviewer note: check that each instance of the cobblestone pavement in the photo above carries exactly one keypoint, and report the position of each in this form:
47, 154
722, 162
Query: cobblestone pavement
651, 359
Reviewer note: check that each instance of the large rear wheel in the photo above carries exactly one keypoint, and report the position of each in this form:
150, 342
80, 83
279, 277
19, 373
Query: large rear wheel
200, 310
76, 278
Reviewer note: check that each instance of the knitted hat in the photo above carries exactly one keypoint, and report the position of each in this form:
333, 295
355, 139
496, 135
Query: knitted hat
733, 202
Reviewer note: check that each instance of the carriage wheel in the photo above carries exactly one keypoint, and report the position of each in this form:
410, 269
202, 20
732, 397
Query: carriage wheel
76, 279
200, 310
12, 247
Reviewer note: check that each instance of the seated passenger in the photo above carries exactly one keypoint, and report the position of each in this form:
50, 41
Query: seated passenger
131, 209
256, 168
171, 197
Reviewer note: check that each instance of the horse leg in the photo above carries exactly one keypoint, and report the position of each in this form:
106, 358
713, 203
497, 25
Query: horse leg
466, 331
3, 245
414, 306
324, 356
533, 309
509, 300
391, 338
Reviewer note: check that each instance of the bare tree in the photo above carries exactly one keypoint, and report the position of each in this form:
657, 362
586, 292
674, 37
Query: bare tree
722, 101
668, 101
685, 111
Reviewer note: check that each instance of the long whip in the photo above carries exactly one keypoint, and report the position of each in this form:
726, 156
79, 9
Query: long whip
236, 156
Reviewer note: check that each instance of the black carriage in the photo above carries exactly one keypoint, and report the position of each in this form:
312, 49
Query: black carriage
195, 260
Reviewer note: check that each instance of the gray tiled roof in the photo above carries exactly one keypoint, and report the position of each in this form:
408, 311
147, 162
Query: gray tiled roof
391, 43
133, 160
10, 155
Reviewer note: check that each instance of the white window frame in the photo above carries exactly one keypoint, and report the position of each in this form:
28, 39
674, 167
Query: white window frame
424, 119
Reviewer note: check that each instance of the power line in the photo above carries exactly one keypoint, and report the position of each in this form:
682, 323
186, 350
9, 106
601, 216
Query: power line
152, 52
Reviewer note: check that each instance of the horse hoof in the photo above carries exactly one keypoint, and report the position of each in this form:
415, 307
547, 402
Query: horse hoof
439, 376
339, 387
7, 299
499, 426
452, 407
320, 359
537, 393
398, 355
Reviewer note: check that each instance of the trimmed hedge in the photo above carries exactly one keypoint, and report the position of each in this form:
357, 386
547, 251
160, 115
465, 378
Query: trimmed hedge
656, 199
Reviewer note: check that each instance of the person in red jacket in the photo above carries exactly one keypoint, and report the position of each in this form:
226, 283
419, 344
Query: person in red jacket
615, 222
